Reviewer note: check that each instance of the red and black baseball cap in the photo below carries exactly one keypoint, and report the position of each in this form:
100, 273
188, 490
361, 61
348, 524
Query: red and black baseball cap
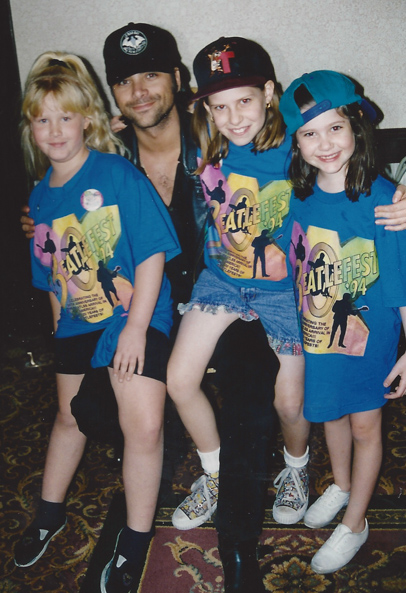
231, 62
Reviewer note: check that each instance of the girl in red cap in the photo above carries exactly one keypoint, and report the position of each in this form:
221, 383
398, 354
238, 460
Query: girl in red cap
243, 159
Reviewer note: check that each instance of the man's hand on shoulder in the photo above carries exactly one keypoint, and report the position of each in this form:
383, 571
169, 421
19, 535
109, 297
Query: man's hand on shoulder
27, 223
393, 216
117, 124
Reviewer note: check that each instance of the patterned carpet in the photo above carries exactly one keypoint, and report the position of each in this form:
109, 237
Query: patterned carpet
189, 562
179, 562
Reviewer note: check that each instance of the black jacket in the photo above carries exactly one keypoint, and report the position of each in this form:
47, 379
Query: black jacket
188, 210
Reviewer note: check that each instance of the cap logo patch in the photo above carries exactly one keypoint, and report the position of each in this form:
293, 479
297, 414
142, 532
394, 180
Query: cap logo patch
220, 60
133, 42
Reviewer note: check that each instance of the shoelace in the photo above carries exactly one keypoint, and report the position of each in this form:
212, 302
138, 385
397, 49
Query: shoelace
296, 480
330, 497
200, 484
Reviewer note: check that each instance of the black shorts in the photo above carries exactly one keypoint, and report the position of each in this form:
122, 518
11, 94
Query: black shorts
73, 355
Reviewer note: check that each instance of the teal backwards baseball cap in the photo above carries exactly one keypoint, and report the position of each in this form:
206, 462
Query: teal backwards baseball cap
328, 89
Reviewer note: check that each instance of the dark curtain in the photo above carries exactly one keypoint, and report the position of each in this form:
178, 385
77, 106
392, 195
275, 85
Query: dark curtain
23, 312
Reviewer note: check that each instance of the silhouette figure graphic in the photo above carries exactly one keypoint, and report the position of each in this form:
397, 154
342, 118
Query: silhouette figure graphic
342, 310
299, 249
218, 194
259, 244
49, 245
105, 277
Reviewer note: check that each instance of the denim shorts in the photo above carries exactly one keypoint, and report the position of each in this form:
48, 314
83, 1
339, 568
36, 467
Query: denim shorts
275, 309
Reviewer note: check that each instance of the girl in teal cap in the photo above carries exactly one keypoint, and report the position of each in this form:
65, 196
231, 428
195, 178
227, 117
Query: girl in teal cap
351, 295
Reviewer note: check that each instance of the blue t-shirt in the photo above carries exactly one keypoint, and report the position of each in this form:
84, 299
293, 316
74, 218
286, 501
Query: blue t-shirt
350, 280
249, 226
91, 234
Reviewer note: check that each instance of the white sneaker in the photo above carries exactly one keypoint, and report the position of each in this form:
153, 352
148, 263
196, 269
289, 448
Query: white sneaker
292, 496
323, 511
339, 549
199, 506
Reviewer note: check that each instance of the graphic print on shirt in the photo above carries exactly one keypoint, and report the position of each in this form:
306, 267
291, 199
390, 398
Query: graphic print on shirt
77, 254
331, 279
244, 224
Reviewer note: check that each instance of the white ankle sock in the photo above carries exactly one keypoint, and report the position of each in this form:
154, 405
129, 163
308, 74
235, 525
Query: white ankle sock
296, 461
210, 461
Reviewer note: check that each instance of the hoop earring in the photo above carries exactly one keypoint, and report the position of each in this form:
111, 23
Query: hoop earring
212, 119
268, 105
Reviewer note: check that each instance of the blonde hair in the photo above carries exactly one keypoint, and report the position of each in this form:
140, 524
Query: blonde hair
67, 78
214, 146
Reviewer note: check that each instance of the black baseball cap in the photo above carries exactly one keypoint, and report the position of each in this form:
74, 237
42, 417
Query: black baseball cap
231, 62
139, 47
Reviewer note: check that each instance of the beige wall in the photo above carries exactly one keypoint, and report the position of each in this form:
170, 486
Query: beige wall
363, 38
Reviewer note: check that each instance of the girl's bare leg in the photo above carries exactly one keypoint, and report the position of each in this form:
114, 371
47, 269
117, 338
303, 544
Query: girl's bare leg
141, 405
339, 443
197, 337
293, 482
363, 431
141, 408
64, 453
352, 533
367, 438
66, 444
289, 390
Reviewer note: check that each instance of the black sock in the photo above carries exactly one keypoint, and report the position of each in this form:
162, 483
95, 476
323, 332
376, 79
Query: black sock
50, 515
133, 545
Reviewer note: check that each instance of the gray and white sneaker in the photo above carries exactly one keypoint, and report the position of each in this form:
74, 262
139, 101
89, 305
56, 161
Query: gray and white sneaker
292, 496
199, 506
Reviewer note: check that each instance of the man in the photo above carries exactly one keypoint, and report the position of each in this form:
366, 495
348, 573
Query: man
150, 87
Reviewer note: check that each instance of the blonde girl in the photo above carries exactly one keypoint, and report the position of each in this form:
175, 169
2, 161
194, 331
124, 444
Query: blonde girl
101, 240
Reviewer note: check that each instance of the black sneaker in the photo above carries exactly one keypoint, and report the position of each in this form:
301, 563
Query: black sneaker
33, 544
120, 575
